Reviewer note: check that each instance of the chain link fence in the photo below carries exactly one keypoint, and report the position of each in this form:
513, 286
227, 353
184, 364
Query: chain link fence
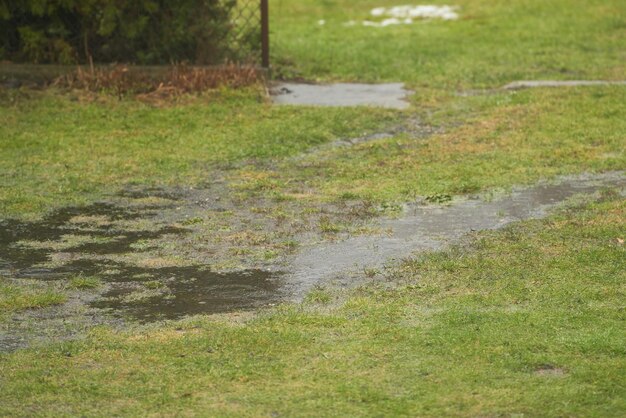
247, 37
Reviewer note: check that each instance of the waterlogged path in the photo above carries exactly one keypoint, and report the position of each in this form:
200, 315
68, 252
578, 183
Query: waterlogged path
430, 227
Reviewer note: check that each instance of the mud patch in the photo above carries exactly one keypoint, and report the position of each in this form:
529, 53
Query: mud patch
83, 241
392, 96
96, 242
56, 323
74, 231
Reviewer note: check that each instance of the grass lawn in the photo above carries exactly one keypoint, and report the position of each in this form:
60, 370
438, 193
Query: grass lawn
14, 298
513, 138
523, 321
57, 150
528, 320
492, 43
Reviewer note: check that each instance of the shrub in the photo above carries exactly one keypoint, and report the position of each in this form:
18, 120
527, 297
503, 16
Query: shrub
138, 31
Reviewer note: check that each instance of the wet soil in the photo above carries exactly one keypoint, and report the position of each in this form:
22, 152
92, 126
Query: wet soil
21, 261
154, 251
183, 289
95, 241
192, 290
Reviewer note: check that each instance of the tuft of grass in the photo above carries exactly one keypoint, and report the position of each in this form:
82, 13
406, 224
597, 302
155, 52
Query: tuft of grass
319, 295
193, 221
329, 227
438, 198
81, 282
154, 284
18, 297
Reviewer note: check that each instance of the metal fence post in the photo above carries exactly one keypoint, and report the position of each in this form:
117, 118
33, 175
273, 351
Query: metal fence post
265, 34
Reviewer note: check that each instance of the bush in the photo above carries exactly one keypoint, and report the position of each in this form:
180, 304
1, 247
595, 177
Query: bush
138, 31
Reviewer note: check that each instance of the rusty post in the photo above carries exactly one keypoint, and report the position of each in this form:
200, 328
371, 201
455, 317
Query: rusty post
265, 34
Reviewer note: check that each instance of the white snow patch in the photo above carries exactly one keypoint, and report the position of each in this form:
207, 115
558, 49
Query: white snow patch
417, 12
379, 11
406, 15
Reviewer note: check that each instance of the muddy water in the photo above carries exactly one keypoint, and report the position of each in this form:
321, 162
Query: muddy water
142, 293
431, 227
187, 291
17, 260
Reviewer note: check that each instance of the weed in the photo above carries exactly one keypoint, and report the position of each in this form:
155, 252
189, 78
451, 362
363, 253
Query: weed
371, 272
318, 295
142, 245
153, 284
159, 84
329, 227
290, 245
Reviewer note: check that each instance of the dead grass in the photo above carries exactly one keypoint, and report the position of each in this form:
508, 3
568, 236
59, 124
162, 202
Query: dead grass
157, 84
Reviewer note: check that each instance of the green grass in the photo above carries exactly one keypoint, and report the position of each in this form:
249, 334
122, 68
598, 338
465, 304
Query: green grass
509, 139
56, 150
15, 298
528, 320
81, 282
493, 42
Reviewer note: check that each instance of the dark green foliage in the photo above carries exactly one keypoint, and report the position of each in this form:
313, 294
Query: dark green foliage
138, 31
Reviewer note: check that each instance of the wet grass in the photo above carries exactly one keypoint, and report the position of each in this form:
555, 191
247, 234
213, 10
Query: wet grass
16, 297
492, 43
507, 139
80, 282
527, 320
57, 149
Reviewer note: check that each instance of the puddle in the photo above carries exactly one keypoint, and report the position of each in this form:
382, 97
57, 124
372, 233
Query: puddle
23, 244
426, 228
392, 95
27, 250
187, 291
516, 85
